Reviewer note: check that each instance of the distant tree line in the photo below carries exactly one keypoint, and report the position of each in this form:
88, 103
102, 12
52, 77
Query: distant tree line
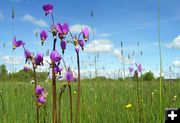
20, 76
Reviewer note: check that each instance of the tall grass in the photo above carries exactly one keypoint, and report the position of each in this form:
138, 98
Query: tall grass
102, 101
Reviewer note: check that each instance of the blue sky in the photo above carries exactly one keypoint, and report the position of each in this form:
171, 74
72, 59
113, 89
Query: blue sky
114, 21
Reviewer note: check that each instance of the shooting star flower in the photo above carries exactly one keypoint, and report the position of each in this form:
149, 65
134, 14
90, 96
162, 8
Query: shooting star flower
85, 32
55, 56
48, 8
17, 43
43, 36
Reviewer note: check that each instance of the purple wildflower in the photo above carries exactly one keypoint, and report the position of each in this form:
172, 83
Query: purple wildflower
43, 36
28, 54
131, 69
39, 59
139, 67
17, 43
57, 69
63, 46
55, 56
69, 76
62, 30
39, 90
48, 8
26, 68
41, 100
81, 43
85, 34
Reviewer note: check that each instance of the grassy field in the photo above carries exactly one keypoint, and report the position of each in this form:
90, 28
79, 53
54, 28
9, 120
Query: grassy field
102, 101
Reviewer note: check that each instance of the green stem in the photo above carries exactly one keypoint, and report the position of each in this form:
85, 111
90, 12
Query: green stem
160, 60
70, 97
35, 83
138, 99
78, 91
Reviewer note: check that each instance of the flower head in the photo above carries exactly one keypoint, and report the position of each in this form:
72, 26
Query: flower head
63, 46
57, 69
69, 76
85, 32
62, 30
26, 68
131, 69
48, 8
17, 43
55, 56
41, 100
43, 36
39, 90
81, 43
28, 54
39, 59
139, 67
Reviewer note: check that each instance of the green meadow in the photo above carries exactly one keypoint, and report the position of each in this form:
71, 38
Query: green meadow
102, 101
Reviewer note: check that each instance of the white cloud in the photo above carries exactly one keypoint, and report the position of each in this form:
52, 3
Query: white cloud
12, 59
77, 28
1, 16
176, 63
31, 19
100, 45
175, 43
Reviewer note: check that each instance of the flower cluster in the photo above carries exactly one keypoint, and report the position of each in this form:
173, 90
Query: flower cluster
139, 69
62, 30
41, 95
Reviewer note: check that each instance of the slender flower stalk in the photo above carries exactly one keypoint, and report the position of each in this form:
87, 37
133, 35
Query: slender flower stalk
78, 90
70, 97
35, 84
160, 60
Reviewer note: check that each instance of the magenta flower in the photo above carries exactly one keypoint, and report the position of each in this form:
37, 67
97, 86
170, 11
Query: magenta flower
81, 43
28, 54
131, 69
17, 43
48, 8
139, 67
57, 69
63, 46
41, 100
62, 30
85, 34
39, 90
39, 59
26, 68
43, 36
55, 56
69, 76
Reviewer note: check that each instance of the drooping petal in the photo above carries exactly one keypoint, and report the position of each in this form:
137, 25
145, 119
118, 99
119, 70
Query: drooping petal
39, 90
59, 28
65, 29
85, 33
81, 43
41, 100
39, 59
27, 54
43, 36
69, 76
55, 56
63, 45
48, 8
